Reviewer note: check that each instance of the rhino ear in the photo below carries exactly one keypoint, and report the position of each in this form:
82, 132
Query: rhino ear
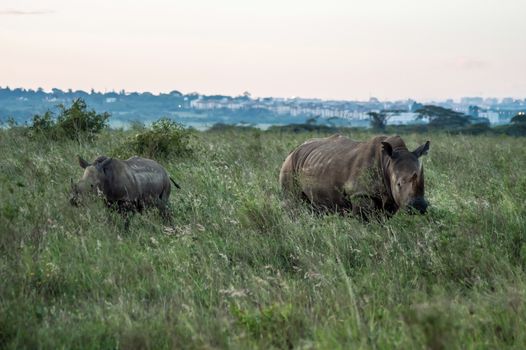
387, 148
83, 163
422, 150
102, 166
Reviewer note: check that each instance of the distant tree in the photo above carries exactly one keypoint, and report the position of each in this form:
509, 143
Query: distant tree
519, 118
480, 120
379, 119
441, 117
57, 92
312, 120
331, 120
518, 125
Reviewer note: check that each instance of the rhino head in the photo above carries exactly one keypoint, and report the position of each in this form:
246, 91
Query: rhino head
406, 176
91, 182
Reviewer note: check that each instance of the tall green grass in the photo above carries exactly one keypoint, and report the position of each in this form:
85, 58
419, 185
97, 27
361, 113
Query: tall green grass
238, 270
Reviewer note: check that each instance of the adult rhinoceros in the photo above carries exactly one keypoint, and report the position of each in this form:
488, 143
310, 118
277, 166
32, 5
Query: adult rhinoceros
337, 173
127, 185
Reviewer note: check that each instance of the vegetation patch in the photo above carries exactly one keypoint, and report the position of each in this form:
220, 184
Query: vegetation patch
239, 269
75, 122
277, 324
164, 139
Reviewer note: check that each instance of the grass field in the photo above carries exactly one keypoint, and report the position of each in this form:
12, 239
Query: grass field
237, 271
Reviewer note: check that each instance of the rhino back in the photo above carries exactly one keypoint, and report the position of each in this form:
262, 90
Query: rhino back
151, 179
135, 179
330, 169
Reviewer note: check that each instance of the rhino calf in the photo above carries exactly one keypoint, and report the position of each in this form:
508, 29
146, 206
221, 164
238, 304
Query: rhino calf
336, 173
127, 185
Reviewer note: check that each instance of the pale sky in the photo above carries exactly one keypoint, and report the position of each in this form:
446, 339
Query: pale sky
331, 49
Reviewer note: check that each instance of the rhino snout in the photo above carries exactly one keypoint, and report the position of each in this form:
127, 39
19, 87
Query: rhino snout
418, 205
74, 201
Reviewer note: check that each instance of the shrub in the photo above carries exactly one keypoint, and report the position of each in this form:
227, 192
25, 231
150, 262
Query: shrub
11, 122
222, 127
475, 129
164, 139
42, 124
519, 118
299, 128
78, 122
75, 122
137, 126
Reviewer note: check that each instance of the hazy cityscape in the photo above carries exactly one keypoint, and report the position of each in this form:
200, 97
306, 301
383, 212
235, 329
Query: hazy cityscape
202, 111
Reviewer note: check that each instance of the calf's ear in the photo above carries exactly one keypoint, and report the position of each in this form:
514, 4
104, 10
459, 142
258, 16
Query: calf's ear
422, 150
387, 148
103, 166
83, 163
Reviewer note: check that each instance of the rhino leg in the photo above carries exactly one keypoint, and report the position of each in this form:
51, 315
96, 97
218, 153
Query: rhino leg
162, 204
165, 212
364, 207
126, 209
126, 217
288, 178
292, 193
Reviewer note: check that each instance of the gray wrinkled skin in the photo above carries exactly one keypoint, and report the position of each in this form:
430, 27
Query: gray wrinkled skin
127, 185
336, 173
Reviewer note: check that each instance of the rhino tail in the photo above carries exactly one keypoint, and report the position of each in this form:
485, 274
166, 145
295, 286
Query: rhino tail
175, 183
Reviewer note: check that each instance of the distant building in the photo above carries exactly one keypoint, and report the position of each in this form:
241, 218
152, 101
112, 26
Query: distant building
472, 100
491, 101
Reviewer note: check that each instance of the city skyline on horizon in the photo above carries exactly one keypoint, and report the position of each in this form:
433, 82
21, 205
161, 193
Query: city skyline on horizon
342, 50
157, 93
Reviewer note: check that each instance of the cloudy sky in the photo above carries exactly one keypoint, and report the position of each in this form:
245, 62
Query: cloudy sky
349, 49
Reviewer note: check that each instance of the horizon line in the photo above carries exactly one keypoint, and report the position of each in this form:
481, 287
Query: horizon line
158, 93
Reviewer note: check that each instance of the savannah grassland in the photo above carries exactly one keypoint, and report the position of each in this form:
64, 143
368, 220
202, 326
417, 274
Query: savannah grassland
237, 270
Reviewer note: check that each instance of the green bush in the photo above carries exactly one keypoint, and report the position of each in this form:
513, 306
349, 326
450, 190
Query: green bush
75, 122
42, 124
164, 139
137, 126
78, 122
